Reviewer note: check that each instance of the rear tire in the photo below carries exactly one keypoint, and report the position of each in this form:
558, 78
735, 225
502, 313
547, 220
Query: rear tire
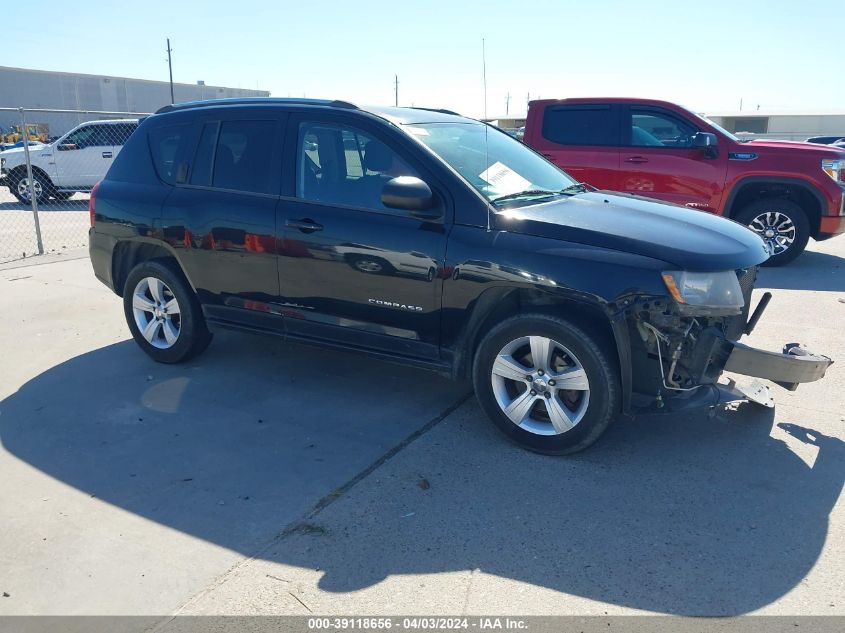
163, 313
527, 398
781, 223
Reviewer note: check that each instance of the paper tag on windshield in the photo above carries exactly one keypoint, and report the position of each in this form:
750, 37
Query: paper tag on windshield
504, 179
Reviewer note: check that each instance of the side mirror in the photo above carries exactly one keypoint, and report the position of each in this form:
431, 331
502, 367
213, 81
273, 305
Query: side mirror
707, 142
64, 147
410, 194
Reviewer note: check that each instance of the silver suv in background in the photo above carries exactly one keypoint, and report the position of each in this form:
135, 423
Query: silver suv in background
73, 163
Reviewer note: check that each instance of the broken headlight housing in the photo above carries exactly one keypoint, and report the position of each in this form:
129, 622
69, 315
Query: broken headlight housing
705, 293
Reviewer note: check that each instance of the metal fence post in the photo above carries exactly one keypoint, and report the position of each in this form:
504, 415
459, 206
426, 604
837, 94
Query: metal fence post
33, 199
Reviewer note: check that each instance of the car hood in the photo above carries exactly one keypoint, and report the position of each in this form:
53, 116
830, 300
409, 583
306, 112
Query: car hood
18, 152
15, 151
685, 238
796, 146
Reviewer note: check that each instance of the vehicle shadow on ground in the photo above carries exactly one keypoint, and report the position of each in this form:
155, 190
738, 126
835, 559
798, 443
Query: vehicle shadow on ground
685, 515
678, 515
810, 271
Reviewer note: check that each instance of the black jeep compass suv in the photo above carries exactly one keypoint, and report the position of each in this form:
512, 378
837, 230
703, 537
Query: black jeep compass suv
432, 239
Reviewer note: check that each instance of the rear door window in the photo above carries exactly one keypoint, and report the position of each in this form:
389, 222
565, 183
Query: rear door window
581, 125
118, 134
235, 155
204, 158
242, 156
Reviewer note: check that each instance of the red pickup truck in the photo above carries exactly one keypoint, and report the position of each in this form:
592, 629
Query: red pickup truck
787, 192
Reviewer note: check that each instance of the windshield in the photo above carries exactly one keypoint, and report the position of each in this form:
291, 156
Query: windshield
497, 165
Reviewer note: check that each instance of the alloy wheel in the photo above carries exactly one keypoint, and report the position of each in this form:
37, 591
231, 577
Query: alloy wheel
540, 385
24, 189
776, 229
156, 312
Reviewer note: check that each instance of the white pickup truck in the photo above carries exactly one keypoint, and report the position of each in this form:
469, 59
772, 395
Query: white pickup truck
73, 163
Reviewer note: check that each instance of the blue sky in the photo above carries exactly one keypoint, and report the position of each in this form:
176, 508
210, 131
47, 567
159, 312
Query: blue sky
707, 56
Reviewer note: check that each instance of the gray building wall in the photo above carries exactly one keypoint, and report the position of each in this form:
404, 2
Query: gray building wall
21, 87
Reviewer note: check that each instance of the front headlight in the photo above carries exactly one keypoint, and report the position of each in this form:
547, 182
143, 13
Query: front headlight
718, 291
835, 168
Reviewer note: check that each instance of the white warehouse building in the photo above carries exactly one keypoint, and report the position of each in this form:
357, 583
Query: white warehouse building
787, 126
27, 88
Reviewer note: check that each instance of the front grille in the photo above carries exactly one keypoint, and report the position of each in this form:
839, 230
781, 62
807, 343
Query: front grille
733, 326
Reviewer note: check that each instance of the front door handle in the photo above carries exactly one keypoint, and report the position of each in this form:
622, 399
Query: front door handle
306, 225
106, 154
636, 159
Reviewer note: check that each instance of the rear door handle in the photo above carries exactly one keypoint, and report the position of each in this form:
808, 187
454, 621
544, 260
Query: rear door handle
306, 225
106, 154
636, 159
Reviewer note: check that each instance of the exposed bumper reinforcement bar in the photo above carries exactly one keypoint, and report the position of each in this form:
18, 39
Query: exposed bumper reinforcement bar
788, 369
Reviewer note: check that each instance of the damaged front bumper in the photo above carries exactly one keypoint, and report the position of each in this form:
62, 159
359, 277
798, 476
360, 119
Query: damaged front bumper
713, 353
788, 369
684, 356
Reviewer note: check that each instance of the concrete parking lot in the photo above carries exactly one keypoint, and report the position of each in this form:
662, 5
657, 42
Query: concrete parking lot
266, 477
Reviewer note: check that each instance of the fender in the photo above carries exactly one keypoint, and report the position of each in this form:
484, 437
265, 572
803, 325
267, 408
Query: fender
807, 185
499, 303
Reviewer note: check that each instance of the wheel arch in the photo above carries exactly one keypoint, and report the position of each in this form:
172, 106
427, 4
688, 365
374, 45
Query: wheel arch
802, 192
497, 304
19, 171
129, 253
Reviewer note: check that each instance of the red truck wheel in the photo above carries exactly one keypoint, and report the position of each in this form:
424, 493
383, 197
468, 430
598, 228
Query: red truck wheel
782, 224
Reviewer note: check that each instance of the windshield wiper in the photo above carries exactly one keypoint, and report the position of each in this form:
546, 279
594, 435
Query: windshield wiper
578, 187
525, 194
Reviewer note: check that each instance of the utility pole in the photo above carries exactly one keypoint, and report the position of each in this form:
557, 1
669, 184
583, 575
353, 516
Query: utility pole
507, 103
396, 90
170, 68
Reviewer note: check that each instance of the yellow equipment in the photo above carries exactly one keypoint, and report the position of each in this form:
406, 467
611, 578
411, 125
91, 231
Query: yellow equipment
34, 132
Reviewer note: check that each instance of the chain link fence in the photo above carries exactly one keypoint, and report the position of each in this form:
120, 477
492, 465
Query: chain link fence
49, 161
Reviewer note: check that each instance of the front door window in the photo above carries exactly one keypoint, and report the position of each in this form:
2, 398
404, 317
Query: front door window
344, 166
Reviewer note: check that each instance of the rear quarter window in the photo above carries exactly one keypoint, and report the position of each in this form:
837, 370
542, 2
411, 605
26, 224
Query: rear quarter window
167, 143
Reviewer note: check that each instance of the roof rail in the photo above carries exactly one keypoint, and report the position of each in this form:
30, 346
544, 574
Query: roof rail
440, 110
255, 101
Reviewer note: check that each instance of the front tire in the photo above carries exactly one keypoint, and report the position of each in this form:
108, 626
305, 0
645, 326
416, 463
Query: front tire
546, 384
19, 187
163, 313
782, 224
